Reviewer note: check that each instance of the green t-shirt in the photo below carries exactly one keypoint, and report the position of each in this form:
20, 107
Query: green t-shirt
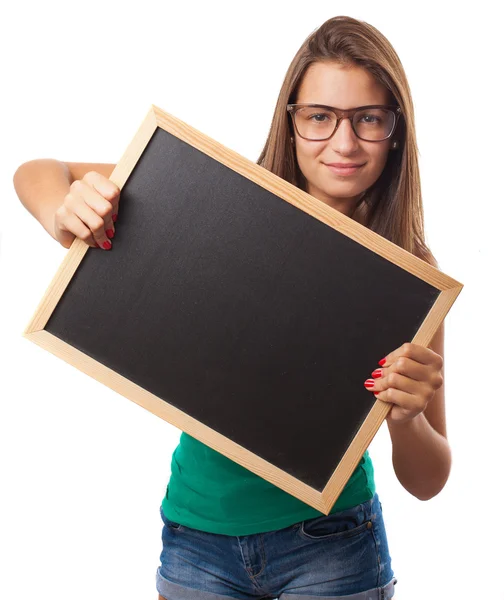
210, 492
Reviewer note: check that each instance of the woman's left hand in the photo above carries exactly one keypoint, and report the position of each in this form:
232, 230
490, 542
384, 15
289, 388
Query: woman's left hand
408, 378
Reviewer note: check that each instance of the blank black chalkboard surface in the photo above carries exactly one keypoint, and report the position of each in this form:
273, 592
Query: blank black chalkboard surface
240, 309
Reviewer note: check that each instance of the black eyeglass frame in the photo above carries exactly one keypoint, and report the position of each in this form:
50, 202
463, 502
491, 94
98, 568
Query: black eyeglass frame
344, 114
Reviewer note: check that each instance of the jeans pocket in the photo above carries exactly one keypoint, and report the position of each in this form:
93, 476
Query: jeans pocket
340, 524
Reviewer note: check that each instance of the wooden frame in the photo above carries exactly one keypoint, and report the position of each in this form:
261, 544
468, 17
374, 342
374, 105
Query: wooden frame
322, 501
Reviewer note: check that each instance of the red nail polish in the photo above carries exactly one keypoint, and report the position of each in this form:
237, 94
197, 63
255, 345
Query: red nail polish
369, 383
377, 373
114, 218
382, 362
110, 233
107, 245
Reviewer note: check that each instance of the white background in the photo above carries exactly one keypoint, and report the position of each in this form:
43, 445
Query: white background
83, 469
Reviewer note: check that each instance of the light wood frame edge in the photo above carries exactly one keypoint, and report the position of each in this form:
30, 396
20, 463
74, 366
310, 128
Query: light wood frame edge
380, 409
304, 201
176, 417
79, 248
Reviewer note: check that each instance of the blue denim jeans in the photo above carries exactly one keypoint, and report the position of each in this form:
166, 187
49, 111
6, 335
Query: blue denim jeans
344, 554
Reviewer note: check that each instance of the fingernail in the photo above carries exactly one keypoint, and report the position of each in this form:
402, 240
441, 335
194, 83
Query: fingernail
377, 373
114, 218
107, 245
110, 233
369, 383
382, 362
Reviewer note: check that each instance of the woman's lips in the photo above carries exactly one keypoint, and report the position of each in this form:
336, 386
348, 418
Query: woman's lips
343, 170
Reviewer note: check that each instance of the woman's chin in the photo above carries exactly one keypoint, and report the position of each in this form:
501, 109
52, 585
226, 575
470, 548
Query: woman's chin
343, 192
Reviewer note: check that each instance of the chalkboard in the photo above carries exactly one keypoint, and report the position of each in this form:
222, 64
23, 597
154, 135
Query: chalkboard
240, 309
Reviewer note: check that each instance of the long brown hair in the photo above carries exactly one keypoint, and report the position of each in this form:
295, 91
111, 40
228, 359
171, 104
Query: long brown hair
392, 206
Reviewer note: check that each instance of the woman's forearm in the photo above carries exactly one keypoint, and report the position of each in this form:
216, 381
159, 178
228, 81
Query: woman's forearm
42, 185
421, 456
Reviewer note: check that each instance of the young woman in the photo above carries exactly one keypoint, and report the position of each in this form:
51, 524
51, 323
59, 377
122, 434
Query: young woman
343, 131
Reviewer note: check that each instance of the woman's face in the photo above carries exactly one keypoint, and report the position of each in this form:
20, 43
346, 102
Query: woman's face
341, 87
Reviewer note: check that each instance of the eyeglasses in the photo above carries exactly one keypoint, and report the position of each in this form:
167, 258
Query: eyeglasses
317, 122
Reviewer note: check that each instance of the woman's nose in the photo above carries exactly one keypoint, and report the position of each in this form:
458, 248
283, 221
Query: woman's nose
344, 136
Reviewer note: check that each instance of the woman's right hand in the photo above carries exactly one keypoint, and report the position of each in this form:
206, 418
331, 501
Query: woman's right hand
88, 212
